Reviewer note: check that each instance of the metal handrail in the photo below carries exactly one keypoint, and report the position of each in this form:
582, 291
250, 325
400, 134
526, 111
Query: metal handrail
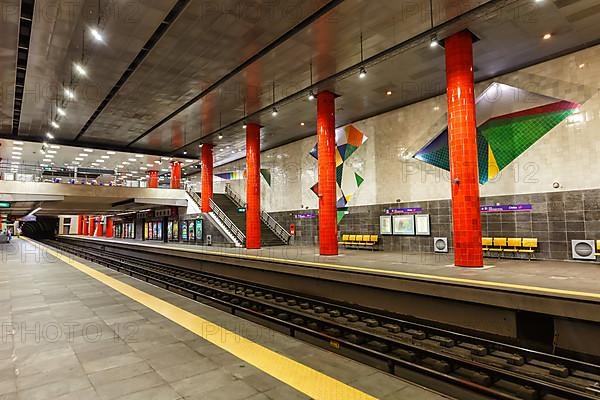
220, 214
267, 218
227, 222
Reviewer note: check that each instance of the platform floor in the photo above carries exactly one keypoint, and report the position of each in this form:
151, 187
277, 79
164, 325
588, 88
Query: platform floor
74, 332
558, 278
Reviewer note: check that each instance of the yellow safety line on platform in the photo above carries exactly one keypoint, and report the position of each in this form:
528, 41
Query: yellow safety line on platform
500, 285
302, 378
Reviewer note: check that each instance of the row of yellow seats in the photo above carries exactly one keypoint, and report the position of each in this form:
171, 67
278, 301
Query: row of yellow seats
510, 245
359, 240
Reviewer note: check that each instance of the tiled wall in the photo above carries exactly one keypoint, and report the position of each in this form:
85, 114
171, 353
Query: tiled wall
556, 219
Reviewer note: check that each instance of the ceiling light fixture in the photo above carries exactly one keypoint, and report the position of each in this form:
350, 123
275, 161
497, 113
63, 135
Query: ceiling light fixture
88, 150
18, 143
112, 153
581, 66
220, 136
80, 69
61, 111
362, 72
245, 125
301, 123
54, 125
388, 93
49, 135
69, 94
185, 153
311, 94
547, 36
96, 34
54, 146
274, 112
139, 155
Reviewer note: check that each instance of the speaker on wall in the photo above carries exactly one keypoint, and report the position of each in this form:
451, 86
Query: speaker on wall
440, 244
583, 249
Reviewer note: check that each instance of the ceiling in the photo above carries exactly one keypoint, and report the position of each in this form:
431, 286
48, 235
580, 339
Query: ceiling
171, 75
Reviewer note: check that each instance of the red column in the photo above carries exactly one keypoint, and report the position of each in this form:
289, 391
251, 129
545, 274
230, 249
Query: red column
98, 232
175, 175
92, 227
86, 221
80, 223
153, 179
207, 176
108, 230
327, 186
253, 186
462, 141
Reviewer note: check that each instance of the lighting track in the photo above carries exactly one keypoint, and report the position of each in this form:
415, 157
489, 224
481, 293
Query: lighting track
25, 23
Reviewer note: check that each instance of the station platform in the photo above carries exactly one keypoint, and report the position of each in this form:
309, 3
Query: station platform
568, 279
73, 329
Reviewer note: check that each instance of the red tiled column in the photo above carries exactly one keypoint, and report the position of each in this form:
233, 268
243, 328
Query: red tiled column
153, 179
175, 175
327, 186
462, 141
207, 176
253, 186
86, 221
98, 232
80, 222
92, 227
108, 231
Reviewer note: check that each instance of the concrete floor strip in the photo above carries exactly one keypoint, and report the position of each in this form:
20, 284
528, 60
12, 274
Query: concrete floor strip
302, 378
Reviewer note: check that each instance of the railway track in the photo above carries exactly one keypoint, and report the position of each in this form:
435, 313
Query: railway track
477, 368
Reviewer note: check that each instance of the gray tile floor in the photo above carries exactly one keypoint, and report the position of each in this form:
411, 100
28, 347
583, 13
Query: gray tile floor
67, 336
562, 275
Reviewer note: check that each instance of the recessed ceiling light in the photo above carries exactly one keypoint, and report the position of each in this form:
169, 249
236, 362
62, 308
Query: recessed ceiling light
547, 36
149, 165
17, 153
157, 162
61, 111
69, 94
54, 125
97, 35
581, 66
388, 93
100, 160
112, 153
88, 150
50, 155
76, 162
139, 155
301, 123
18, 143
52, 151
220, 136
125, 163
200, 145
220, 149
165, 158
132, 160
83, 154
185, 153
436, 108
78, 159
143, 168
18, 148
47, 160
16, 157
54, 146
105, 157
80, 69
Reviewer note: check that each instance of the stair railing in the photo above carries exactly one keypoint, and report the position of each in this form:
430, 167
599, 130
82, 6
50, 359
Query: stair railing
220, 214
265, 217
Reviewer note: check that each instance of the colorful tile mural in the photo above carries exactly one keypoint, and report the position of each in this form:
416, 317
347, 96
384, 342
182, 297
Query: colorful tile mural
348, 139
509, 121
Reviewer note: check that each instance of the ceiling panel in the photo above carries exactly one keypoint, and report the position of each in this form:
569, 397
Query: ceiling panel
9, 32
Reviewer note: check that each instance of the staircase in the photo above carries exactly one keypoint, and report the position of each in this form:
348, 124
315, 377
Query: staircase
237, 215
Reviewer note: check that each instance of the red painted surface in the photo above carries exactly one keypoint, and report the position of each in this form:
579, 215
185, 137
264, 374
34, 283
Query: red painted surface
80, 222
175, 175
327, 185
207, 176
253, 186
109, 228
99, 226
92, 227
86, 221
153, 179
462, 141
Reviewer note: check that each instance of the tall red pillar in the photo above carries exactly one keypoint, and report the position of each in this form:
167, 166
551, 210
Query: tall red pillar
153, 179
175, 175
80, 222
86, 221
253, 186
462, 141
108, 230
207, 176
92, 227
328, 245
98, 232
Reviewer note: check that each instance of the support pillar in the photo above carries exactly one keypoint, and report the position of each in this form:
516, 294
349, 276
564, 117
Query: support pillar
80, 222
108, 230
328, 244
462, 141
175, 175
92, 227
86, 221
207, 176
253, 186
98, 232
153, 179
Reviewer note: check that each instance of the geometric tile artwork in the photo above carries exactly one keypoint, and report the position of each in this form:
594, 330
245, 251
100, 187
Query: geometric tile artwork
347, 139
509, 121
